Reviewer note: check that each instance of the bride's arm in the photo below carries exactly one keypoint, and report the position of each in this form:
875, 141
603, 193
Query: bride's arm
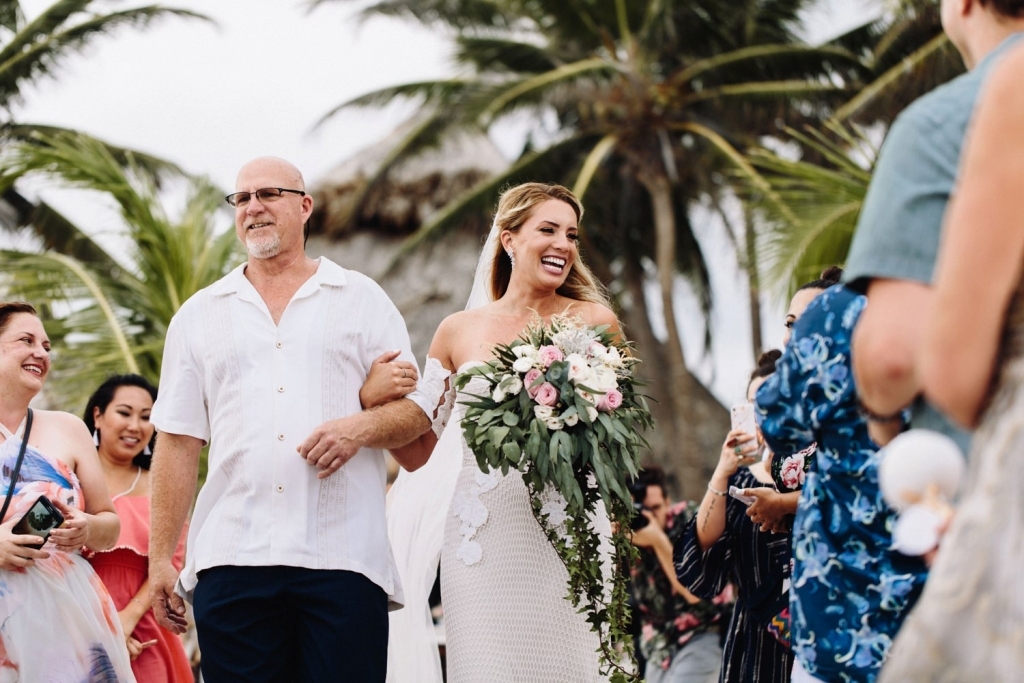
437, 378
982, 249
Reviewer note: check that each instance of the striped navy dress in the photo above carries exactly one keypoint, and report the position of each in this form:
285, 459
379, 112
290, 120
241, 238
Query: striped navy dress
757, 563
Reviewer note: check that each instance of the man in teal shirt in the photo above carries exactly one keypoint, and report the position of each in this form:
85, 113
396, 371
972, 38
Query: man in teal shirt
897, 238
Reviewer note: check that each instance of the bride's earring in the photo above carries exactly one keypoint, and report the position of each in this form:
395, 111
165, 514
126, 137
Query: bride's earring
96, 437
512, 257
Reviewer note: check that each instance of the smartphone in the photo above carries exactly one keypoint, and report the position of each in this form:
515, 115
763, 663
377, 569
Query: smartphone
737, 493
743, 418
40, 520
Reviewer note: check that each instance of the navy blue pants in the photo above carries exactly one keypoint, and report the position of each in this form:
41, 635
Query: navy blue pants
282, 624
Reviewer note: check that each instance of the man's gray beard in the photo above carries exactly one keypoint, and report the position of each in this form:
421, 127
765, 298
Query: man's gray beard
263, 247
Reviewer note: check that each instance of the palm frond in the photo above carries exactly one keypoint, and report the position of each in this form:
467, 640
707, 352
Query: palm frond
40, 45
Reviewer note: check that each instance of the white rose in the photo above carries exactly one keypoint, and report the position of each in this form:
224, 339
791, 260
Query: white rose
543, 412
498, 395
571, 420
612, 357
585, 395
522, 364
553, 423
524, 351
604, 378
579, 369
511, 385
592, 413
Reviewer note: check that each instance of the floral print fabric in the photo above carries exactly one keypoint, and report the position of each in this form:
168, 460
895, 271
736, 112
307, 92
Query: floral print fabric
850, 592
667, 621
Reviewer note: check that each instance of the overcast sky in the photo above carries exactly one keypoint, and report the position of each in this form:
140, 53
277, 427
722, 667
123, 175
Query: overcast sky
210, 97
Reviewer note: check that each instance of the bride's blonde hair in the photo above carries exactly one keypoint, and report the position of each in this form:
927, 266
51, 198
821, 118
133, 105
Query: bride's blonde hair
515, 207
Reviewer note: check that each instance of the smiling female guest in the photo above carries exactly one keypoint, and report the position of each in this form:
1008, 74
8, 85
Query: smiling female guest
57, 621
118, 416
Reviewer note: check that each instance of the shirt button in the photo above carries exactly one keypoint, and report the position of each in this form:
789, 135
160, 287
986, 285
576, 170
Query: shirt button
280, 488
280, 390
280, 437
279, 344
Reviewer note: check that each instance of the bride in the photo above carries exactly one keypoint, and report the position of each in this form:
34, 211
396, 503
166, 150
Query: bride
502, 585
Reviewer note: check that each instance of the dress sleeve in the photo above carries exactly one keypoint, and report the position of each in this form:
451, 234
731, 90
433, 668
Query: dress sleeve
703, 572
439, 390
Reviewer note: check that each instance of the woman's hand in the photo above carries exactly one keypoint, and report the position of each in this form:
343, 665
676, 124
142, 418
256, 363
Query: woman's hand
740, 449
18, 551
74, 532
771, 508
388, 380
135, 648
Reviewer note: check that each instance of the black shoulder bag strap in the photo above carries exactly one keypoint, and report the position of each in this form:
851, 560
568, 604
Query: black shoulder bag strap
17, 466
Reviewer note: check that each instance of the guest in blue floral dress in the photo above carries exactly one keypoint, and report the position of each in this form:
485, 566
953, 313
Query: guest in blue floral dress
849, 592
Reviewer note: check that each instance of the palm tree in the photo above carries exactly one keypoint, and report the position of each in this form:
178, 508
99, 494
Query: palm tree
108, 312
652, 100
32, 49
814, 200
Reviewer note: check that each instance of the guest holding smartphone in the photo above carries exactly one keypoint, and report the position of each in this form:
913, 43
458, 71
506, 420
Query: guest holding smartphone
118, 417
723, 545
57, 621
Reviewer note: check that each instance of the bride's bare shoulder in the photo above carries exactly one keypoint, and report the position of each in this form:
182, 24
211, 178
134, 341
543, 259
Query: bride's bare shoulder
593, 313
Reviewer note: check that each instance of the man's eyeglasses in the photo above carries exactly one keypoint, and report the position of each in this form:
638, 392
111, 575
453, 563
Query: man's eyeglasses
264, 194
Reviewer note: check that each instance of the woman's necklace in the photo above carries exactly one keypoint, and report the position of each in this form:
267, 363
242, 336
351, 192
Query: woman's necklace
131, 488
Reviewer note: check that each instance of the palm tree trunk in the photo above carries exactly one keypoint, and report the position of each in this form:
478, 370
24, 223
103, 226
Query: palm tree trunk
681, 383
754, 281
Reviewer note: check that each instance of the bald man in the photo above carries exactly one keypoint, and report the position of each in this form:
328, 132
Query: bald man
289, 568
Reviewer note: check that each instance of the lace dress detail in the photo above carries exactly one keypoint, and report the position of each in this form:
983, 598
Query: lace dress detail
969, 622
506, 616
433, 386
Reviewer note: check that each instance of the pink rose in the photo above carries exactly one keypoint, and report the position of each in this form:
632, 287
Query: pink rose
530, 382
549, 354
546, 395
609, 401
793, 472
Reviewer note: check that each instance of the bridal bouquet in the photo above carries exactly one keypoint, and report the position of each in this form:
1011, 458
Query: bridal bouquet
561, 407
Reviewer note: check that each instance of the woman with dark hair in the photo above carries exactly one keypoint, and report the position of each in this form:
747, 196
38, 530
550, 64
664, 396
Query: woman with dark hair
774, 509
722, 545
118, 417
57, 621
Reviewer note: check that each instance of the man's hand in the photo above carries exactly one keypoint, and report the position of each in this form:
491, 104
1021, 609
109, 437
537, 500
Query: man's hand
74, 532
388, 380
168, 607
651, 535
771, 508
333, 444
17, 551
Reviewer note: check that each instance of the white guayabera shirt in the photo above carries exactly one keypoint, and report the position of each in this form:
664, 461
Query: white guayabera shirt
255, 391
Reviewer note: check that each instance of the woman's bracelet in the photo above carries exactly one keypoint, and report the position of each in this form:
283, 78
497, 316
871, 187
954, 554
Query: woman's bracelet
139, 601
715, 491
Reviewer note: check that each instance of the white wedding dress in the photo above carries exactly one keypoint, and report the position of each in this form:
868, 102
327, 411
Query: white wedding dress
503, 587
